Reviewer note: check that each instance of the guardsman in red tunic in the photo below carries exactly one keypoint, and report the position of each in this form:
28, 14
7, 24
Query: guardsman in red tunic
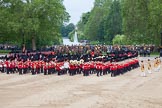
119, 69
113, 70
7, 66
25, 67
50, 68
86, 68
77, 67
72, 68
1, 65
92, 67
15, 63
124, 68
46, 68
99, 69
104, 70
53, 67
33, 66
36, 67
127, 66
58, 68
39, 66
81, 65
20, 67
12, 66
107, 64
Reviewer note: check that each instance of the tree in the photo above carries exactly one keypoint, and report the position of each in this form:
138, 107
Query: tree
139, 18
37, 21
93, 28
83, 21
119, 40
113, 22
66, 29
154, 21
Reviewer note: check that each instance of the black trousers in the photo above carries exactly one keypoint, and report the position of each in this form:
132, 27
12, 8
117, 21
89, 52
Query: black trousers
33, 71
20, 71
99, 72
45, 71
86, 72
113, 73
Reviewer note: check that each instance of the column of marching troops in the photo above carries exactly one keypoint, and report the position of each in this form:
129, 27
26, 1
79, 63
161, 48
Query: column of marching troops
150, 66
71, 67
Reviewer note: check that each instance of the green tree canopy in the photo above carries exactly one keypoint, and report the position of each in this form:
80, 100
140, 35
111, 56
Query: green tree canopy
66, 29
139, 20
36, 21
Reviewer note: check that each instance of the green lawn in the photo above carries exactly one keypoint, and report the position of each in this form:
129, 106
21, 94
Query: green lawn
5, 51
155, 54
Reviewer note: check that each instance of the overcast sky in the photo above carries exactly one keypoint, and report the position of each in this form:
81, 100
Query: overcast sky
76, 7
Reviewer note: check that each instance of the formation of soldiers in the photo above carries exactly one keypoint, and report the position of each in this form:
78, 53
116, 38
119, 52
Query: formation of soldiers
72, 68
53, 62
149, 67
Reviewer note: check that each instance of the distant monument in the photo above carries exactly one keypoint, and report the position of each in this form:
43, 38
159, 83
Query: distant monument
67, 41
76, 37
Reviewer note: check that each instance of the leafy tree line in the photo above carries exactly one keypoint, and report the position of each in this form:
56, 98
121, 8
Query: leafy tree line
35, 23
140, 21
67, 29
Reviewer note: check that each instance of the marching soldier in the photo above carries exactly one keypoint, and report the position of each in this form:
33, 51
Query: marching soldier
156, 65
104, 70
71, 68
7, 64
143, 69
99, 69
149, 66
86, 68
1, 66
45, 68
33, 68
92, 67
159, 64
20, 67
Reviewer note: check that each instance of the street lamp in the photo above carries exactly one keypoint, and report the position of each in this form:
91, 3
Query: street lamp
161, 45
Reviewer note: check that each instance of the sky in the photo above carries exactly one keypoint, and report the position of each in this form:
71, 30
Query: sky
76, 7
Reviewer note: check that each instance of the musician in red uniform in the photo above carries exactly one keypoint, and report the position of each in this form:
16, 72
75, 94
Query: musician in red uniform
113, 70
58, 68
11, 67
20, 67
72, 68
1, 66
7, 66
99, 69
86, 68
45, 68
81, 66
33, 68
25, 68
104, 70
92, 67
